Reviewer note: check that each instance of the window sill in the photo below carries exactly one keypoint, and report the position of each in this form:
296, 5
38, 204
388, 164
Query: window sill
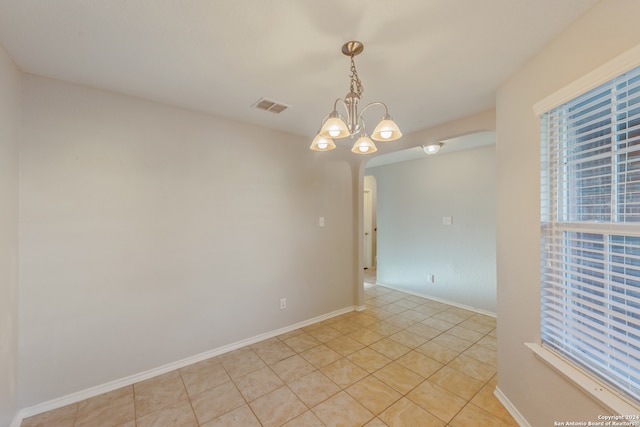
592, 388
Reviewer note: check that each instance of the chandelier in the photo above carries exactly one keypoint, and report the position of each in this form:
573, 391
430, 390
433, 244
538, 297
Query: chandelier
336, 126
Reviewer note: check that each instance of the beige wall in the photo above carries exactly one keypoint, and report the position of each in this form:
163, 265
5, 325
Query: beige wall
9, 138
538, 393
150, 234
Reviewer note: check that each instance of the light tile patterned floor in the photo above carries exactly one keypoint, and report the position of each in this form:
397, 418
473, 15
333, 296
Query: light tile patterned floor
405, 361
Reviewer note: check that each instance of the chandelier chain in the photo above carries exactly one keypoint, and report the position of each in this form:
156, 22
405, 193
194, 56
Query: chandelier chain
356, 84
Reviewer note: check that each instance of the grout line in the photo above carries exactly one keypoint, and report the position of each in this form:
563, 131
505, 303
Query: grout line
135, 408
75, 416
184, 386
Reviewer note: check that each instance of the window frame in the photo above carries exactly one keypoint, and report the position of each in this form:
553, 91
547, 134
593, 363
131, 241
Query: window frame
591, 384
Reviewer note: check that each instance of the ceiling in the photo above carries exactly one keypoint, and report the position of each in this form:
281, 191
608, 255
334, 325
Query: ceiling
464, 142
430, 61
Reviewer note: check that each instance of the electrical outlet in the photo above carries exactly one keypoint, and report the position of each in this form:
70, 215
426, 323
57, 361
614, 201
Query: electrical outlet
283, 303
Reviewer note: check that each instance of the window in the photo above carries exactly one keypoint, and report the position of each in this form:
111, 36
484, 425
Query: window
590, 228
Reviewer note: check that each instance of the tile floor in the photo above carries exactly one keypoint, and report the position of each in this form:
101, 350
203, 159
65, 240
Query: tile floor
405, 361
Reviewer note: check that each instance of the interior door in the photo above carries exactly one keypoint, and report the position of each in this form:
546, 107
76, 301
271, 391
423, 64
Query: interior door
368, 229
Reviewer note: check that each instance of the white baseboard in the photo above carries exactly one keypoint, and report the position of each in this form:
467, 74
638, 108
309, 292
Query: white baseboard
132, 379
17, 420
453, 303
517, 416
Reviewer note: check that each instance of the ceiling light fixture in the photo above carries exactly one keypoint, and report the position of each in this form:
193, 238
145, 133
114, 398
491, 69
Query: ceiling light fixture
432, 148
336, 126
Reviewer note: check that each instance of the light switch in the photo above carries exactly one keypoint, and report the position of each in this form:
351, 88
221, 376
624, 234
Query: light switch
446, 220
321, 221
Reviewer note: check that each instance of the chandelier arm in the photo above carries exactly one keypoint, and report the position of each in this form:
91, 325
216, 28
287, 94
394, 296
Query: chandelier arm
344, 104
347, 116
335, 108
386, 109
324, 119
361, 123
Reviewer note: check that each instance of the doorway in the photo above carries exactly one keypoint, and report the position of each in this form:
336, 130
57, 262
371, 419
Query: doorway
368, 229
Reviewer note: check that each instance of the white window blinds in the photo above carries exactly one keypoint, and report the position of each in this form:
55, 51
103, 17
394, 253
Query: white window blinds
590, 224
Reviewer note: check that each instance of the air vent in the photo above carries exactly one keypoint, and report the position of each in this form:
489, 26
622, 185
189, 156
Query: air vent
271, 106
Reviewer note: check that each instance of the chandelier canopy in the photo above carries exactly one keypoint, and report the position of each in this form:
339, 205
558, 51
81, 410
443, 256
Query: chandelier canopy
337, 126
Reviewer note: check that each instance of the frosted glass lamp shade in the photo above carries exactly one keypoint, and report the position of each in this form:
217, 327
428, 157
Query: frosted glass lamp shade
334, 127
321, 143
386, 130
364, 145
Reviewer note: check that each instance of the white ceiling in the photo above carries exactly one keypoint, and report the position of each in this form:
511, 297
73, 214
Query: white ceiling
430, 61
